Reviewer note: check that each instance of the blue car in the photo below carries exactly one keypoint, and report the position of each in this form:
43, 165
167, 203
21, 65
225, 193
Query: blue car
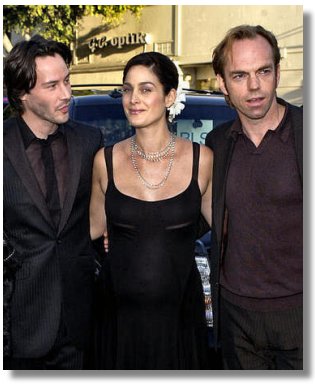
202, 112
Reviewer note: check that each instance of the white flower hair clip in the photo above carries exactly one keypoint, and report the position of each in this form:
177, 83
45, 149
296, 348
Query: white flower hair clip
178, 105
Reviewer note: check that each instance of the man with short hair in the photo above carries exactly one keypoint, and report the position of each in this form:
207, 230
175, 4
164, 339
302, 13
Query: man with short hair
257, 235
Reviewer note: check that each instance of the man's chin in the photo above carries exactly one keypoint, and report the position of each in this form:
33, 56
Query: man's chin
63, 119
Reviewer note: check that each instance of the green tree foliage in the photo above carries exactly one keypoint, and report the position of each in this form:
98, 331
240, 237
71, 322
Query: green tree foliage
59, 22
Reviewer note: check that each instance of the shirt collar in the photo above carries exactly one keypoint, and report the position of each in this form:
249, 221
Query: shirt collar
28, 136
283, 129
235, 129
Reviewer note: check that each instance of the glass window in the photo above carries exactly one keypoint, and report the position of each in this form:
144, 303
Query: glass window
195, 121
195, 130
110, 119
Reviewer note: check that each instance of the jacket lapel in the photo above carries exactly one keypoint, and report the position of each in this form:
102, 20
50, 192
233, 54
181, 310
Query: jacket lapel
75, 161
14, 149
222, 164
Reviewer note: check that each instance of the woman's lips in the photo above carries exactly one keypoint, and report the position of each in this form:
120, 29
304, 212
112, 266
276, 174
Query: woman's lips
135, 112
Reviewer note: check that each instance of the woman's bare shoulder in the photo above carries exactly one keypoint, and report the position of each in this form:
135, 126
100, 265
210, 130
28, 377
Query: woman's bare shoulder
206, 152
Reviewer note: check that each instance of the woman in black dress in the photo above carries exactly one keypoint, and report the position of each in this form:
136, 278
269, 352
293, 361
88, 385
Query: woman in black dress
148, 192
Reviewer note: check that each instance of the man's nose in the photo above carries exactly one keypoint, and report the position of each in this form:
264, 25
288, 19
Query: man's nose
66, 91
253, 82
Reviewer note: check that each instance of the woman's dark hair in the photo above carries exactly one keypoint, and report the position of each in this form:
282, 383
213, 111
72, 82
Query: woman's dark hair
242, 32
161, 65
20, 67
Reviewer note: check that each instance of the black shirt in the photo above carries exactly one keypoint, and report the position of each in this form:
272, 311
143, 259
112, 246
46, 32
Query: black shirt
263, 258
33, 148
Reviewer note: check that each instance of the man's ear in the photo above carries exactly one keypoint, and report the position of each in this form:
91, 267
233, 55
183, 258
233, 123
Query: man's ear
23, 97
170, 98
221, 83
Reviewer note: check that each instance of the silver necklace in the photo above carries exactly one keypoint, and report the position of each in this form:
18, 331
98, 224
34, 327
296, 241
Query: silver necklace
146, 183
156, 156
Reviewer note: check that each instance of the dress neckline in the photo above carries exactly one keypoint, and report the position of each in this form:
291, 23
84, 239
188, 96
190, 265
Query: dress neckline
194, 175
155, 201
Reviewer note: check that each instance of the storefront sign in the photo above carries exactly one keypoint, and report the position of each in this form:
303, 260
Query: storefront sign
119, 41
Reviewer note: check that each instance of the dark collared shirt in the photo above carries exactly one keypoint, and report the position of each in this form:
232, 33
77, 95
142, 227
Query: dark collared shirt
33, 148
263, 259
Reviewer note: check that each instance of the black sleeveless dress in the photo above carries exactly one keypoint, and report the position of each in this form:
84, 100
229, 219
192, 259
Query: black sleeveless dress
154, 315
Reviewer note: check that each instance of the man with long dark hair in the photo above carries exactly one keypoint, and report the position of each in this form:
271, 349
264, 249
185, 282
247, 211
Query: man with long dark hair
47, 181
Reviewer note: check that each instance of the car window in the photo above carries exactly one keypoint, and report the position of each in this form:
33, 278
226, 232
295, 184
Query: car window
200, 115
196, 121
110, 119
194, 130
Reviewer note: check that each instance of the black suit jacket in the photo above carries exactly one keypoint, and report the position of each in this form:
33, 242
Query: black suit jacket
222, 145
57, 273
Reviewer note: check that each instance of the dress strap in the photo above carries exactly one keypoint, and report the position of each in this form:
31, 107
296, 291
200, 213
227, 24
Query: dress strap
109, 162
196, 154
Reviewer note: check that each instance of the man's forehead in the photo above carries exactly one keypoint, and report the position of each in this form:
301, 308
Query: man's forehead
248, 50
47, 66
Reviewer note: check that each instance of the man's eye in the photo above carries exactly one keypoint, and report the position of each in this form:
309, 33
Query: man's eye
265, 71
238, 76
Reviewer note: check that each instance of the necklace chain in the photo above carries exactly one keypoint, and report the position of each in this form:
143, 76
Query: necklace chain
170, 148
156, 156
